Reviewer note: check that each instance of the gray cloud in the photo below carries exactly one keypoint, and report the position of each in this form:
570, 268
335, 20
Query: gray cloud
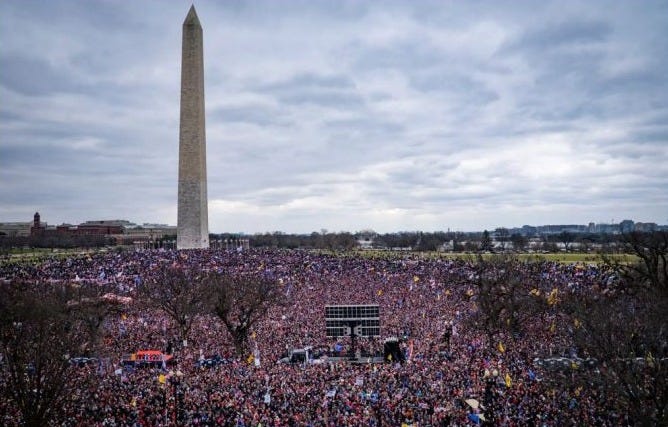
325, 91
559, 35
340, 115
250, 114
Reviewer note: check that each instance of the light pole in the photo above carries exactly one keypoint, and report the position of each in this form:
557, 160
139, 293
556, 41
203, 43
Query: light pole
490, 394
177, 395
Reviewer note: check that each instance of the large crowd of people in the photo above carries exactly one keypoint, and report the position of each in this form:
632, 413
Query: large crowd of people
452, 374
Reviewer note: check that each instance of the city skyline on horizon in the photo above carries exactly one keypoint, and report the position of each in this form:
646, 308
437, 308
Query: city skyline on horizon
324, 230
349, 116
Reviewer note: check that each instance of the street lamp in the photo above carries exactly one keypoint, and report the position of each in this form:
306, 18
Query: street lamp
177, 392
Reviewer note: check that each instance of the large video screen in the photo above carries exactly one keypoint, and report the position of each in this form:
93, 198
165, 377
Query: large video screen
338, 318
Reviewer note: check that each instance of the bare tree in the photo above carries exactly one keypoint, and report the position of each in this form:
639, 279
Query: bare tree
567, 238
91, 305
519, 242
502, 236
651, 270
38, 335
241, 301
178, 292
627, 335
486, 242
586, 244
503, 294
625, 329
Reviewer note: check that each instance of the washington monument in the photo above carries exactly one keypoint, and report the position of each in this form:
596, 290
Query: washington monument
192, 229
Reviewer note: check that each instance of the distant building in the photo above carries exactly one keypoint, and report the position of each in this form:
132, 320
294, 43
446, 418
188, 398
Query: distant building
15, 229
646, 226
607, 228
121, 230
556, 229
626, 226
100, 228
448, 246
528, 230
148, 232
37, 227
365, 243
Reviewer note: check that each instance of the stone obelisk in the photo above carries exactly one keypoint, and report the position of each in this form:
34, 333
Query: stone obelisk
192, 229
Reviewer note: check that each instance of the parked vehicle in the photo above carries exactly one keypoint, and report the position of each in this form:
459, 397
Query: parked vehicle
83, 361
211, 362
147, 358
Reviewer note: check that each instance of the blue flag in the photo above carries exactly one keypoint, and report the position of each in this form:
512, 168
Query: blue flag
475, 418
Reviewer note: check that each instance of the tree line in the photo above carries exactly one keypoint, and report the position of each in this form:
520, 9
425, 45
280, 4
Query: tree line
498, 240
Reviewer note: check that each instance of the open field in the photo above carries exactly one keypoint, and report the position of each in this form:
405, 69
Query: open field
36, 254
590, 258
555, 257
566, 257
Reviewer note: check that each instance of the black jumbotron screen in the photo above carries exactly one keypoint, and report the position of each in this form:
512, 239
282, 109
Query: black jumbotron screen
338, 317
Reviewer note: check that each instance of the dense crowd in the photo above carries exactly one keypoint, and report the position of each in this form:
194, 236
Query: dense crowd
425, 302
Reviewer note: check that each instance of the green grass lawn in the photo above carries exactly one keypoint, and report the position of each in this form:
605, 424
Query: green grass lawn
581, 257
37, 254
588, 258
30, 255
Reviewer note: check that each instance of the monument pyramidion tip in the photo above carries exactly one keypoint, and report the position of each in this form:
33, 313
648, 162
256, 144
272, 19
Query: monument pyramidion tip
191, 18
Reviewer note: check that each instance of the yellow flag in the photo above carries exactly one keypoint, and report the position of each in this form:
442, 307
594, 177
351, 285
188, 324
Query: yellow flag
380, 292
509, 381
577, 323
535, 292
162, 379
553, 297
649, 359
501, 348
250, 358
416, 279
253, 335
553, 327
578, 391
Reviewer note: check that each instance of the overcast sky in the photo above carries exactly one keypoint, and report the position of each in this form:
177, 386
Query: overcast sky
336, 115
